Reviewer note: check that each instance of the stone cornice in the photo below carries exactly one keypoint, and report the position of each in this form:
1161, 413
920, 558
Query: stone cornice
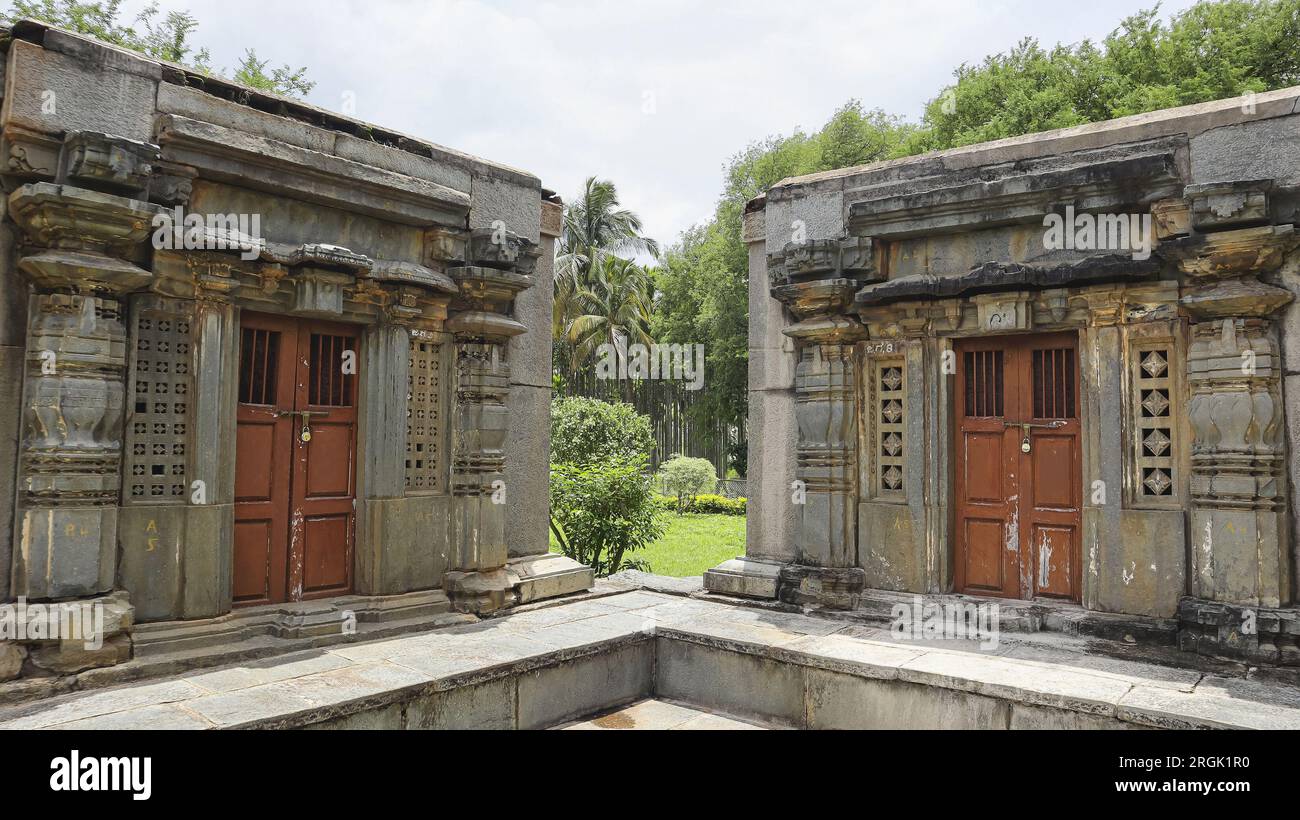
993, 277
236, 157
1017, 193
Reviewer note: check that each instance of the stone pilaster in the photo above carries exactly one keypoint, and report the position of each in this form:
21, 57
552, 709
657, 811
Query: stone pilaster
1239, 536
477, 579
76, 251
538, 573
826, 568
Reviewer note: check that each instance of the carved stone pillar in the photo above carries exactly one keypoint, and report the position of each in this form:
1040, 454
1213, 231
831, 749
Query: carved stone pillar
77, 243
1238, 523
826, 568
477, 579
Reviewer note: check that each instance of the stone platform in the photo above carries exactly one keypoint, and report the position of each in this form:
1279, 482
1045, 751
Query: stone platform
559, 664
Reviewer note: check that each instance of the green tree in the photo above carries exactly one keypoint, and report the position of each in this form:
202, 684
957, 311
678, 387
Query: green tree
594, 226
602, 498
1213, 50
686, 478
603, 512
162, 38
611, 308
584, 431
601, 296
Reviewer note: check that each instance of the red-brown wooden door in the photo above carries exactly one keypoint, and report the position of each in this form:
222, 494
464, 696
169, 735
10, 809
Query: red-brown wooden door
295, 460
1019, 467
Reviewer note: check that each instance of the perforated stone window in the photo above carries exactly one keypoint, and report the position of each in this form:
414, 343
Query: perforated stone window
1155, 428
160, 385
890, 417
424, 425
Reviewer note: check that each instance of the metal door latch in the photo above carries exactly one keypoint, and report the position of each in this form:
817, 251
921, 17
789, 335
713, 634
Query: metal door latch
305, 434
1027, 445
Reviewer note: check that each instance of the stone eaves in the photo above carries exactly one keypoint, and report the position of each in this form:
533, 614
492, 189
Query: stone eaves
300, 116
1186, 121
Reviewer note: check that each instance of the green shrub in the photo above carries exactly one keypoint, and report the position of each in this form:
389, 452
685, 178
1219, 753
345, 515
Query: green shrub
717, 505
686, 478
585, 431
604, 511
704, 505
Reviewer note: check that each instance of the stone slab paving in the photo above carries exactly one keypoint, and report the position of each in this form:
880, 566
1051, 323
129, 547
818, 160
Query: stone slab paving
348, 679
659, 715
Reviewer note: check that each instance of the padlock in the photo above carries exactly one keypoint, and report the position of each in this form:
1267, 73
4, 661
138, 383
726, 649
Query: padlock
306, 435
1025, 446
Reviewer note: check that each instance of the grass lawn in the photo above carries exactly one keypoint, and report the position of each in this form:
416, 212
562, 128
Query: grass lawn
692, 543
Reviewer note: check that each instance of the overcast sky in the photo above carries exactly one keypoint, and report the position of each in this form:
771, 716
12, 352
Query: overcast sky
655, 95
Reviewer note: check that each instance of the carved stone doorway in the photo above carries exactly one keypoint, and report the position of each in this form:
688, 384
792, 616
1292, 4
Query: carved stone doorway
1019, 467
295, 460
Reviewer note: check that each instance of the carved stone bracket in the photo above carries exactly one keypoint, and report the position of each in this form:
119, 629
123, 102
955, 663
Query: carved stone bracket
114, 163
851, 257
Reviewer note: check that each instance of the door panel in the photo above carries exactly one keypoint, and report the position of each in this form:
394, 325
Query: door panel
295, 460
326, 552
324, 474
983, 559
1033, 499
262, 455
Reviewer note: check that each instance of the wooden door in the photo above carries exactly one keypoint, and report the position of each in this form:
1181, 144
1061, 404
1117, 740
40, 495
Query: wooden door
1019, 467
295, 460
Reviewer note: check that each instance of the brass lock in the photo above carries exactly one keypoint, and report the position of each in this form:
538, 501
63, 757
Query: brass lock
304, 435
1027, 446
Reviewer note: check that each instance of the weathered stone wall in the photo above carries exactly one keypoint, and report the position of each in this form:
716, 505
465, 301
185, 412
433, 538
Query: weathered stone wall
431, 254
887, 265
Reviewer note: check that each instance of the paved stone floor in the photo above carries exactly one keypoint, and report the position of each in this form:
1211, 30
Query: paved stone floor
551, 665
659, 714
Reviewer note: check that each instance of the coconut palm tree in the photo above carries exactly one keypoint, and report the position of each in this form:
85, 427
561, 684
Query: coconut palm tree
594, 227
596, 238
613, 308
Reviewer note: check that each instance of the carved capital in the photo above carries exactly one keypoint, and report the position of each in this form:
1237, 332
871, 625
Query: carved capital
482, 310
62, 217
1225, 254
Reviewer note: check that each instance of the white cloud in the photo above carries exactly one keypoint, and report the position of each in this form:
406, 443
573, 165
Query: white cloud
559, 88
